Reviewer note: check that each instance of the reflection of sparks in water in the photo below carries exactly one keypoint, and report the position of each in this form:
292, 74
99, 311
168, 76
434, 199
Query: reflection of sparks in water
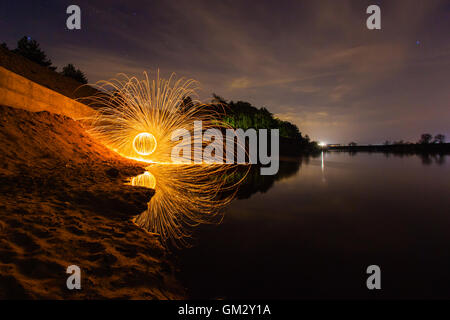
146, 180
186, 196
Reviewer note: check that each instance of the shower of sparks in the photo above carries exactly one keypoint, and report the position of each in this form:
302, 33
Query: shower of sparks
136, 118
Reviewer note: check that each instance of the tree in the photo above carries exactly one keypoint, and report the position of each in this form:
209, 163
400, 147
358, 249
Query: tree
352, 144
186, 104
244, 115
71, 72
218, 99
4, 46
29, 49
425, 138
439, 138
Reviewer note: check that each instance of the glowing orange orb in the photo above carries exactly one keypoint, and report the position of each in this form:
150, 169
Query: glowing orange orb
146, 180
144, 143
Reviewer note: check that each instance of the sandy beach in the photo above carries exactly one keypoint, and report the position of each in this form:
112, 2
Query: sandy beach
63, 201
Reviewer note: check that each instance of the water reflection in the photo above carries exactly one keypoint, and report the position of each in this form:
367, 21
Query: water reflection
186, 196
427, 158
189, 195
307, 239
254, 182
146, 180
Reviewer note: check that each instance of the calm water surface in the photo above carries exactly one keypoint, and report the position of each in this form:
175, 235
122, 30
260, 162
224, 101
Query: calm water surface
312, 231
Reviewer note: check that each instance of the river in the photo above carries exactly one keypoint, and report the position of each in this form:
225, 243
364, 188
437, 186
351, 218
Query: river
312, 231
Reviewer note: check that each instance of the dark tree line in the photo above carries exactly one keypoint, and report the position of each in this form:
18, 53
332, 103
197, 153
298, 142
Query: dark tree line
30, 49
74, 73
243, 115
425, 138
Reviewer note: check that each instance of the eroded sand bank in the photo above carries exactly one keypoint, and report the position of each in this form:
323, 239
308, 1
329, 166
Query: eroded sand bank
63, 201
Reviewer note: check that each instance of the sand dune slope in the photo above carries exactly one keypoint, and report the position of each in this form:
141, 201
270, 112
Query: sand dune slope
63, 201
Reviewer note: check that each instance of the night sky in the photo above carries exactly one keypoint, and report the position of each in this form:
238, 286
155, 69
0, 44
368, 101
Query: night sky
310, 62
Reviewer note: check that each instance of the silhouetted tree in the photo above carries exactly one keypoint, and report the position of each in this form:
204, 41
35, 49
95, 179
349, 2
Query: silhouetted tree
387, 142
186, 104
439, 138
71, 72
245, 116
218, 99
425, 138
4, 46
352, 144
29, 49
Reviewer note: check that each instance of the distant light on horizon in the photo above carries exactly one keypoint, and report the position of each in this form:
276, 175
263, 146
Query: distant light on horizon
322, 144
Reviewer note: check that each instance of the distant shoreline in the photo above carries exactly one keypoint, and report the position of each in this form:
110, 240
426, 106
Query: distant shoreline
443, 148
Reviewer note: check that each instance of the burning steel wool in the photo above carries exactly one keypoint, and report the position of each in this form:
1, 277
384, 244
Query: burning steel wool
137, 119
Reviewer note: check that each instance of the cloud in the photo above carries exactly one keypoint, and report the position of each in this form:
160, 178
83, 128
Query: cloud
311, 62
240, 83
